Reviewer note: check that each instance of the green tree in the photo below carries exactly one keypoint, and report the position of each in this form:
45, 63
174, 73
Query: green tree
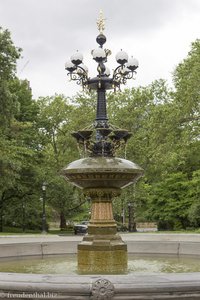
169, 202
194, 195
187, 106
18, 151
57, 119
8, 58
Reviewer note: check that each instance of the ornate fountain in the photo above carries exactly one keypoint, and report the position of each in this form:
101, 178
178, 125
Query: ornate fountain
101, 175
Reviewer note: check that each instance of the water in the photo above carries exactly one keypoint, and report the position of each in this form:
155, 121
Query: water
67, 264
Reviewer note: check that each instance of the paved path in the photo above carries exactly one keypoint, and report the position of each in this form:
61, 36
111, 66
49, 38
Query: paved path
125, 236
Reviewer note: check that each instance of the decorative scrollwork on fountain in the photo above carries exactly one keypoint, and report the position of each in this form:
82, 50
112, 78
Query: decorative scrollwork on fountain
107, 193
121, 74
102, 289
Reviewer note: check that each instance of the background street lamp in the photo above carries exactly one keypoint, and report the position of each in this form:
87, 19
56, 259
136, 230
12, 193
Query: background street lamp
44, 229
23, 216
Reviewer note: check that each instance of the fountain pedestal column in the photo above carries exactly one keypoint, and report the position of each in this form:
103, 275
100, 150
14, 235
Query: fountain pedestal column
102, 178
102, 250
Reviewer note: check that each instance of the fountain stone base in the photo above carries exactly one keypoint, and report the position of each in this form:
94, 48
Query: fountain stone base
101, 178
102, 259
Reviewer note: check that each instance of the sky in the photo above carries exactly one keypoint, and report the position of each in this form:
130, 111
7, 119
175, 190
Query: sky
158, 33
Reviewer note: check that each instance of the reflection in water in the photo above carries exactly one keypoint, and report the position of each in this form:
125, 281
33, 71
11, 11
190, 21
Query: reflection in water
67, 264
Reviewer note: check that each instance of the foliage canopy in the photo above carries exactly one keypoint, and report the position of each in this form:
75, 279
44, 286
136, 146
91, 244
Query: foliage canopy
35, 143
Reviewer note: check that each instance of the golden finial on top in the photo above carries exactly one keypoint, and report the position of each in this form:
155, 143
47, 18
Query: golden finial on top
101, 22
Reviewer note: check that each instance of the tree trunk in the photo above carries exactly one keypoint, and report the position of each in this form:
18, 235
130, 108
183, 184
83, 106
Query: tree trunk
131, 223
62, 221
1, 219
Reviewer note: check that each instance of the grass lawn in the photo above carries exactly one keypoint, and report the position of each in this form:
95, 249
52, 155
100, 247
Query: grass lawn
18, 231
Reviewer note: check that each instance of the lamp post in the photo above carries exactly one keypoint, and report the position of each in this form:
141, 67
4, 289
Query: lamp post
23, 217
107, 138
44, 230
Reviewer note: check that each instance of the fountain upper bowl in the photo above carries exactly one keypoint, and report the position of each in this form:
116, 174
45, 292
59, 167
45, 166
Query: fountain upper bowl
102, 172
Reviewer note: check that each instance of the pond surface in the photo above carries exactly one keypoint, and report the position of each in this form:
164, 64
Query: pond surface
67, 264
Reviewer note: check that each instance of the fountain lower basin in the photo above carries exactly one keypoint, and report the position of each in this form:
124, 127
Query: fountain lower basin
123, 287
67, 264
